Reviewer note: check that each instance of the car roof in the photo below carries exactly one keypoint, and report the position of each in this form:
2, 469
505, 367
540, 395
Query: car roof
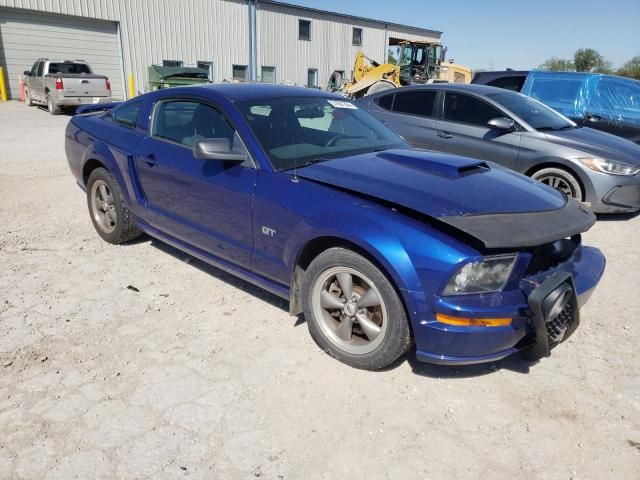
238, 92
460, 87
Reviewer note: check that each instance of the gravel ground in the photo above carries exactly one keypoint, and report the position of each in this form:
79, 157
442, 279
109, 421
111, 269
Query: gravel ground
196, 374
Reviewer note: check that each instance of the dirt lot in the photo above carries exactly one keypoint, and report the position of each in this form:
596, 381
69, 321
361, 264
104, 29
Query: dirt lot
200, 375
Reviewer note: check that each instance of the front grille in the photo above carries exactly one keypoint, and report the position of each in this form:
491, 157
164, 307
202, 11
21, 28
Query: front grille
557, 328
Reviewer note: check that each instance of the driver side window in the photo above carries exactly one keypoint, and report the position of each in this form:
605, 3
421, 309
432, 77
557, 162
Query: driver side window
185, 122
463, 108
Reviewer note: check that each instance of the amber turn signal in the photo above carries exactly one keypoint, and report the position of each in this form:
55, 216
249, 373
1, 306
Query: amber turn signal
473, 322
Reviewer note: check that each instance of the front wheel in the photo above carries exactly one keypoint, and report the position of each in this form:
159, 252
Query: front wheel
109, 213
560, 180
27, 98
353, 311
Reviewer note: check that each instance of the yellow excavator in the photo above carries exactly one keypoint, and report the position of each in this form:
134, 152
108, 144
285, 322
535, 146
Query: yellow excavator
408, 63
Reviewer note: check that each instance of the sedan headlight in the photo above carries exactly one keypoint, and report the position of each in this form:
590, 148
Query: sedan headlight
609, 166
487, 275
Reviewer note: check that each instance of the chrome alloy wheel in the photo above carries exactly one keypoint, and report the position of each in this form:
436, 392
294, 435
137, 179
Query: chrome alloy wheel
558, 183
349, 310
103, 206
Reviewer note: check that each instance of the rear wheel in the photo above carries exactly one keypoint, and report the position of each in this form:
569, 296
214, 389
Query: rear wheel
51, 106
109, 213
353, 311
561, 180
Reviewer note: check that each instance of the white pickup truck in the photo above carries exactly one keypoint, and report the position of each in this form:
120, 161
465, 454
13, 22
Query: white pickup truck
64, 83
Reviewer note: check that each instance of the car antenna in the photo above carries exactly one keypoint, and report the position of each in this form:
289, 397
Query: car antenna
295, 178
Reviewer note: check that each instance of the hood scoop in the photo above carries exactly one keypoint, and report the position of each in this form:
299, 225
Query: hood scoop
436, 163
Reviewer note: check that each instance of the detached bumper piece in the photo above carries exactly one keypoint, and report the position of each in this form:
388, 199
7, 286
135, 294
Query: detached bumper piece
555, 314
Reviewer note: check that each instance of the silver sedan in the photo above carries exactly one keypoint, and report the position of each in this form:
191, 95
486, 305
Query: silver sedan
518, 132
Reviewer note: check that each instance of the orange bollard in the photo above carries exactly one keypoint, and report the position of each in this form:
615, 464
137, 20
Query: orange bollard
22, 88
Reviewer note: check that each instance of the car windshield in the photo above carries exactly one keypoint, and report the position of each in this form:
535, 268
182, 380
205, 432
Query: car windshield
296, 131
536, 114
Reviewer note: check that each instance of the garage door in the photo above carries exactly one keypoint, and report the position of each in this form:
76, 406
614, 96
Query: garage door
26, 36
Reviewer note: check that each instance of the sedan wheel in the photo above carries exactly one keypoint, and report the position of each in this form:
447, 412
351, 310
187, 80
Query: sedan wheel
353, 311
561, 180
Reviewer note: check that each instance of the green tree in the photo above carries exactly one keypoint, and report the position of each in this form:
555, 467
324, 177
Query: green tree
630, 69
588, 59
555, 64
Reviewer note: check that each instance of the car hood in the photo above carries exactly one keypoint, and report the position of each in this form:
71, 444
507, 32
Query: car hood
595, 142
499, 207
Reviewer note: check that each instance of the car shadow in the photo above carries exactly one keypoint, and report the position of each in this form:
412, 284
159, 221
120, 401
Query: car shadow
65, 112
219, 274
514, 363
616, 217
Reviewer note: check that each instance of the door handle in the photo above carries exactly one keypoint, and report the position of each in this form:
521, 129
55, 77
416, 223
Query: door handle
442, 134
151, 160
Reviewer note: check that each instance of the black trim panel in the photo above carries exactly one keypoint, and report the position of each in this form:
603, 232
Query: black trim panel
522, 230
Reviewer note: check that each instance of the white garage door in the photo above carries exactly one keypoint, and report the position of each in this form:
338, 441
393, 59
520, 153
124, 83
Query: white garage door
26, 36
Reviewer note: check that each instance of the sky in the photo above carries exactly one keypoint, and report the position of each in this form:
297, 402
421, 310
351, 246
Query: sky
499, 34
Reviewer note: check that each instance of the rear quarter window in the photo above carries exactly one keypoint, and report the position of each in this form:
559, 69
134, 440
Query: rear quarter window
127, 115
385, 101
462, 108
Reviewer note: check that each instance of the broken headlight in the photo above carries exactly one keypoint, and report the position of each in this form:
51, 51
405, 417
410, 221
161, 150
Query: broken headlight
487, 275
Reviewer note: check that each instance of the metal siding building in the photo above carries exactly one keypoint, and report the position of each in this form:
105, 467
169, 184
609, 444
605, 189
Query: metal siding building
119, 37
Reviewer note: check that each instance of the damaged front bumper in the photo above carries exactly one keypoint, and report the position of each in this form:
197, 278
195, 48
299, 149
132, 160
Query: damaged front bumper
536, 326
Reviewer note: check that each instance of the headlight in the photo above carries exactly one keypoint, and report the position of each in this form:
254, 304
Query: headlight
487, 275
609, 166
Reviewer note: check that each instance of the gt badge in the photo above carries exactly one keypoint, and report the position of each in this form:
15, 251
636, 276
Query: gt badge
270, 232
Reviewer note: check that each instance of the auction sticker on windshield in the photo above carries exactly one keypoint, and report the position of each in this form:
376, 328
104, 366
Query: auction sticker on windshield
341, 104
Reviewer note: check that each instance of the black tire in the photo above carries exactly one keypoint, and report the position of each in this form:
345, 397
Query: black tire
52, 107
567, 182
397, 338
122, 228
27, 98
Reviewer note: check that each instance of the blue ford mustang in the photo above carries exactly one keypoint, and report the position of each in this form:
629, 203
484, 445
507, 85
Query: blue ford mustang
309, 197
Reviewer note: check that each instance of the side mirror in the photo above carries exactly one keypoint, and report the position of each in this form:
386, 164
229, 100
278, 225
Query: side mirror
592, 117
27, 73
217, 149
502, 123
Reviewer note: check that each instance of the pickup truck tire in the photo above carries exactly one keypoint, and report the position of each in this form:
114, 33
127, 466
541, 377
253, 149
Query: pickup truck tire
52, 107
27, 98
108, 209
353, 311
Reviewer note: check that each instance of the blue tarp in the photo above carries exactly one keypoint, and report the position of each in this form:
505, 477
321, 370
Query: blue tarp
573, 94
